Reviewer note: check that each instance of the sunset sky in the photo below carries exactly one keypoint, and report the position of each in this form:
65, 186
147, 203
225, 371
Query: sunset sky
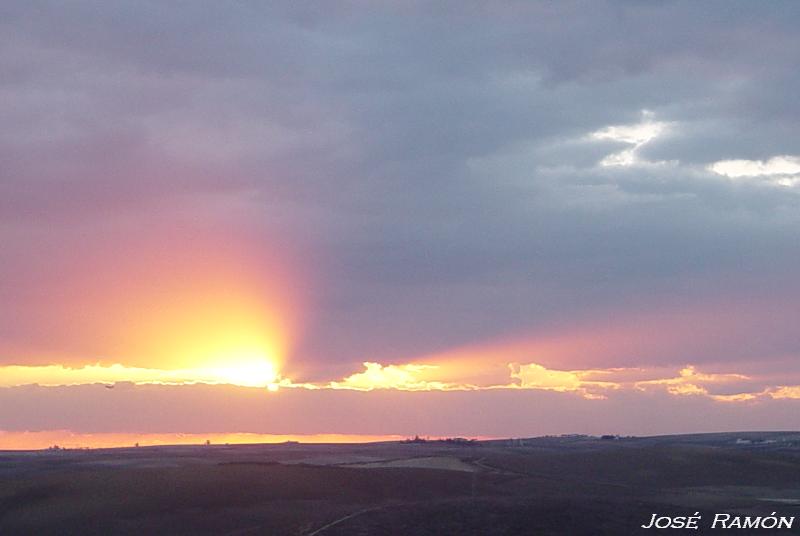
487, 219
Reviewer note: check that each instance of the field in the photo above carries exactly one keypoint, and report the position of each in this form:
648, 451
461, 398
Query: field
549, 485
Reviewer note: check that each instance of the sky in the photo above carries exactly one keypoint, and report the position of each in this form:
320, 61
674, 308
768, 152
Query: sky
488, 219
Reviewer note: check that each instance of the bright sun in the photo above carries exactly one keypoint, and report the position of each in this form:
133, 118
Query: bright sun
248, 372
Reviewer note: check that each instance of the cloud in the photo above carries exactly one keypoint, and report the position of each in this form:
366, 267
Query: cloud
535, 376
439, 185
246, 372
204, 409
691, 382
780, 170
409, 377
591, 384
635, 136
790, 392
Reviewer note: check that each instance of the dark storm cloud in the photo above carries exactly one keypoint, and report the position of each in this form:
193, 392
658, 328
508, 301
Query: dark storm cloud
435, 158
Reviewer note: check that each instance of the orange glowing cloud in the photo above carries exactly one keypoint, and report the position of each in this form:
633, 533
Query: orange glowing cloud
591, 384
535, 376
691, 382
246, 373
786, 391
409, 377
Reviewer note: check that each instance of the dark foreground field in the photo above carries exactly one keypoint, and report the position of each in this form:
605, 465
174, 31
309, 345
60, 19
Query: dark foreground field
568, 485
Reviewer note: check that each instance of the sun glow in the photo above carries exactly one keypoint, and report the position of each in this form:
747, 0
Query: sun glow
258, 372
24, 440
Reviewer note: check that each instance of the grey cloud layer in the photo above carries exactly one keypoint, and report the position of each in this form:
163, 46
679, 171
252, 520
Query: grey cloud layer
204, 409
434, 158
